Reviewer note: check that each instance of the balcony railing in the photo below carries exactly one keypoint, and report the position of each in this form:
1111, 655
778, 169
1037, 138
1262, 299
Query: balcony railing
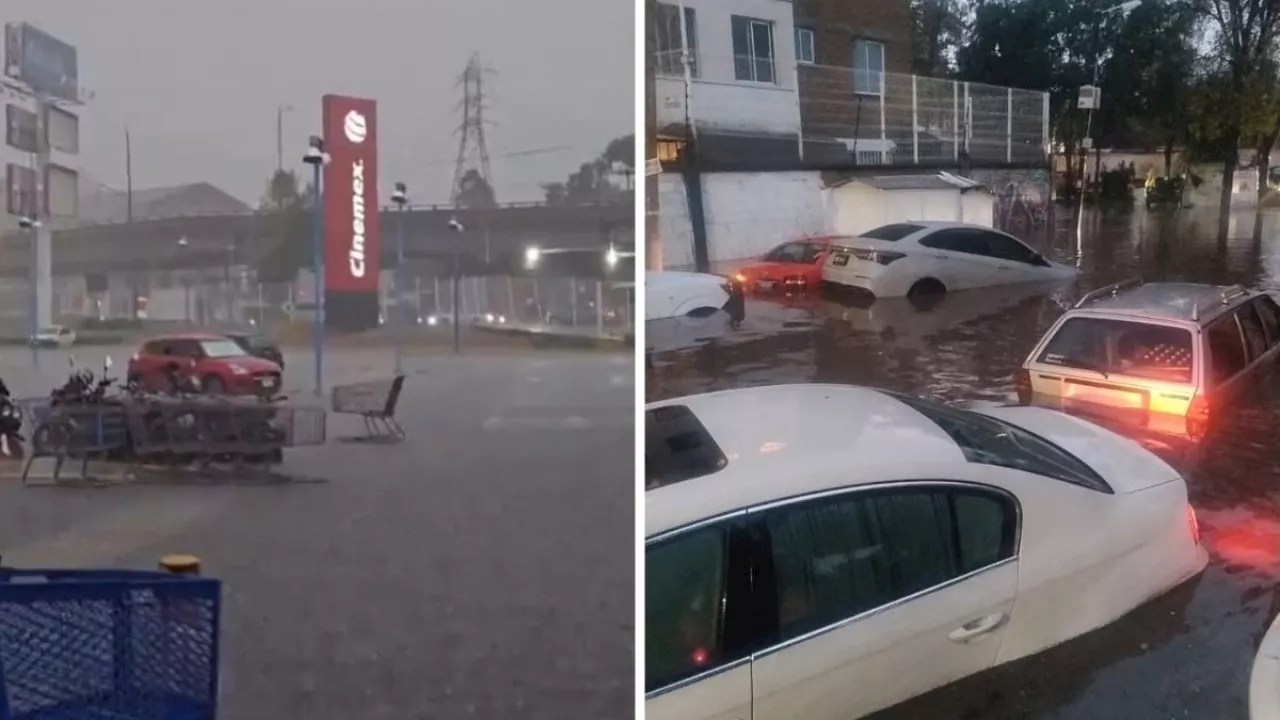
830, 115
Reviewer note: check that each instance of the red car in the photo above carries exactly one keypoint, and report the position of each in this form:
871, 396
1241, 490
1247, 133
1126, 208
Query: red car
793, 266
218, 363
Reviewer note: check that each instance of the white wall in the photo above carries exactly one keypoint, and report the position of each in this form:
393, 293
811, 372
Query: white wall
854, 208
721, 102
746, 214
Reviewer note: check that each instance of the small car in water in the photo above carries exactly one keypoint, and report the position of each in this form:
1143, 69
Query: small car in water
824, 551
1155, 358
793, 266
931, 258
216, 363
672, 293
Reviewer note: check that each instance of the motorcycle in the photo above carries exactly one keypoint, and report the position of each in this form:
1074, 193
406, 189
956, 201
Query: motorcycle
12, 443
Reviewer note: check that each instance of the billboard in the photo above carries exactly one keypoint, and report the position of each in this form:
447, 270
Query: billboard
352, 241
44, 62
20, 128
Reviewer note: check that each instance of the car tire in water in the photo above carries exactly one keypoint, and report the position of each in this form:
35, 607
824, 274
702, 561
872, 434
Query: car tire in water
926, 293
213, 385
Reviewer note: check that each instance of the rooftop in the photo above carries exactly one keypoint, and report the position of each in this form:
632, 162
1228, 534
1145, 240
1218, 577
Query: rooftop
1169, 301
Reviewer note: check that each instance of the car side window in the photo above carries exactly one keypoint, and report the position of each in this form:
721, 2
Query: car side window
155, 347
838, 557
1270, 314
957, 240
1007, 248
1226, 350
1255, 337
786, 252
685, 581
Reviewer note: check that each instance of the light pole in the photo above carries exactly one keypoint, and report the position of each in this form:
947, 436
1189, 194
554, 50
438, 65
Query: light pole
32, 227
316, 158
457, 228
183, 244
400, 197
280, 111
1123, 7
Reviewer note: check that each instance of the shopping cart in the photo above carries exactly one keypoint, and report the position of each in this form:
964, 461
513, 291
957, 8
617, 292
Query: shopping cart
108, 644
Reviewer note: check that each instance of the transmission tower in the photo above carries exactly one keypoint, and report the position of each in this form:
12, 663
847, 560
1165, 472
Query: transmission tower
472, 151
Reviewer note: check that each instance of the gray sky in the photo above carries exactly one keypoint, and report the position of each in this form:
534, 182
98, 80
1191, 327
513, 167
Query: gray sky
198, 84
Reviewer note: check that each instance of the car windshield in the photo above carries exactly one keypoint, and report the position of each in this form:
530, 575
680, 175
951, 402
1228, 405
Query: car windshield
1121, 347
988, 441
221, 348
795, 252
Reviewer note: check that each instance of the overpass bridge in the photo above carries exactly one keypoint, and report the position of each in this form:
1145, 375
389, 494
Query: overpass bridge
219, 240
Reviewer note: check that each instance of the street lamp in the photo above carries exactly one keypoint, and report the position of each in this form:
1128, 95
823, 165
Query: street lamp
1122, 8
316, 157
400, 197
611, 258
457, 228
32, 225
532, 255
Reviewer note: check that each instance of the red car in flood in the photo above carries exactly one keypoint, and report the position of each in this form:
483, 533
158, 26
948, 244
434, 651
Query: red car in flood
793, 266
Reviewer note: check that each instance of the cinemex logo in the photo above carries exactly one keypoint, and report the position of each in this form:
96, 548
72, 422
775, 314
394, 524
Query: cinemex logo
355, 127
355, 256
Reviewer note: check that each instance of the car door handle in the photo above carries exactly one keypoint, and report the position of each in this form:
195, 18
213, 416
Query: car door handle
1004, 267
939, 255
976, 628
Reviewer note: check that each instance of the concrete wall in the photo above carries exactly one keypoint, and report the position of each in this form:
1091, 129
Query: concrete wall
746, 214
721, 103
856, 208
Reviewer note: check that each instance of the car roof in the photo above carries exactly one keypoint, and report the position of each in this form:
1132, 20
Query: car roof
186, 336
1180, 301
785, 440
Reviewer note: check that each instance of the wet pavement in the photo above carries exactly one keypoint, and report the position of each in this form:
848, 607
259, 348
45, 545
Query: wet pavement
1185, 655
480, 569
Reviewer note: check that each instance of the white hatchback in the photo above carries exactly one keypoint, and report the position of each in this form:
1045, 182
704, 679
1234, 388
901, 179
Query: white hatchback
823, 552
924, 258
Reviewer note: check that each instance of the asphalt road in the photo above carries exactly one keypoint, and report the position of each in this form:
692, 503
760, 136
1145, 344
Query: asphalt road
483, 568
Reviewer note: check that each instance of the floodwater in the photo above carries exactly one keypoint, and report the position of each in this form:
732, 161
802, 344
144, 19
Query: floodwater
1187, 654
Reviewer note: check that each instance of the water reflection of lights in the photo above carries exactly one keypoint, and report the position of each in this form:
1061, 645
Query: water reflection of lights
1242, 537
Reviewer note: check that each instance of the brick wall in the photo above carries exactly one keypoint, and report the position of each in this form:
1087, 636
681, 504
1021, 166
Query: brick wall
828, 105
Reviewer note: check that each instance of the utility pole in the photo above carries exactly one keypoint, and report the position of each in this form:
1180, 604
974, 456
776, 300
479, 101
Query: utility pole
128, 210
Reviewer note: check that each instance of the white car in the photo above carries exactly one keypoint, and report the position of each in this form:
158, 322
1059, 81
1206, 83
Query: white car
823, 552
670, 294
55, 336
924, 258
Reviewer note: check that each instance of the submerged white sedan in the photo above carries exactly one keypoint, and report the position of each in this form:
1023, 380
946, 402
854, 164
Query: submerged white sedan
672, 294
923, 258
824, 552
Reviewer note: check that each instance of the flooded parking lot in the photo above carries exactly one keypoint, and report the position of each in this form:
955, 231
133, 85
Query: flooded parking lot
1187, 654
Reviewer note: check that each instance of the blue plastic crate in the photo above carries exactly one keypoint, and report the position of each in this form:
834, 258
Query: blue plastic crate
99, 645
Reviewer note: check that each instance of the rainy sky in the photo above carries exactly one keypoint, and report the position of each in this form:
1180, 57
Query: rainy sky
198, 84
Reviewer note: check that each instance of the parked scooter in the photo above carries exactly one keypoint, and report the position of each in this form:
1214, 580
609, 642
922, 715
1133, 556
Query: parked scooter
12, 443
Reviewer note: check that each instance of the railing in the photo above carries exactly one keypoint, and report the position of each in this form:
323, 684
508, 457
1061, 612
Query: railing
834, 114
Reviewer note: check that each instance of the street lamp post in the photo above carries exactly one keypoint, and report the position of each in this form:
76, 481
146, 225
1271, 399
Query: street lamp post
1123, 7
457, 251
400, 197
316, 158
32, 227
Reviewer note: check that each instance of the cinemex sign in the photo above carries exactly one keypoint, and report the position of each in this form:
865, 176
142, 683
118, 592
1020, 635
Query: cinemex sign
352, 237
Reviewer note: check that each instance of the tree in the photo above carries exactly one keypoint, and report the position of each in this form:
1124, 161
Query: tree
937, 31
595, 180
474, 191
1242, 40
286, 228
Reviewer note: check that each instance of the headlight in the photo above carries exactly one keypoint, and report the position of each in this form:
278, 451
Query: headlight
502, 319
433, 320
488, 317
237, 370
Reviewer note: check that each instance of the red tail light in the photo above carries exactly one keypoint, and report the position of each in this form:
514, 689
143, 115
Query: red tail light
883, 257
1198, 415
1194, 523
1022, 382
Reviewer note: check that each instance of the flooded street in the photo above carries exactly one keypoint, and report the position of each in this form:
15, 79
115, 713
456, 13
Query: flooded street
1186, 655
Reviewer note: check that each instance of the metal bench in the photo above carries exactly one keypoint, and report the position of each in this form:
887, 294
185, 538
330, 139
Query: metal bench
375, 402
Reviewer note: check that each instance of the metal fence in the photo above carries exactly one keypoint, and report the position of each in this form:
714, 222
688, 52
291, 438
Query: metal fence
208, 302
829, 113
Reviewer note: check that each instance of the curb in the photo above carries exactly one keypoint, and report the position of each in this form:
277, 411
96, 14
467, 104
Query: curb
1264, 680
